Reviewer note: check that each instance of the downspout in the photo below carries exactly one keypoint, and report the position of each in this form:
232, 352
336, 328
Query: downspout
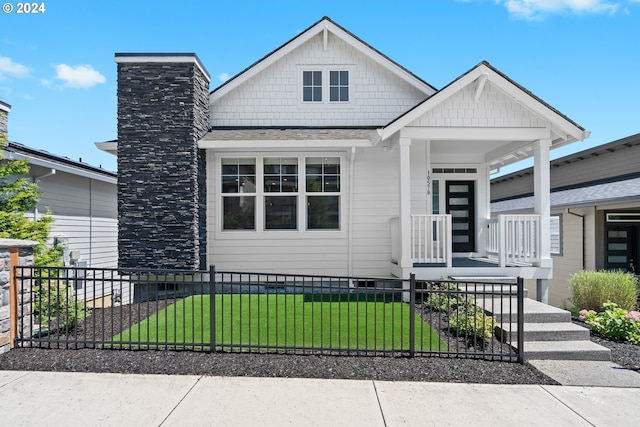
90, 221
584, 251
350, 225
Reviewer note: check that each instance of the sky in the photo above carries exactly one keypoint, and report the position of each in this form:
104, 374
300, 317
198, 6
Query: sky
58, 73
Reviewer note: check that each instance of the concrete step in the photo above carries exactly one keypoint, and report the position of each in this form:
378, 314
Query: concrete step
556, 331
506, 310
566, 350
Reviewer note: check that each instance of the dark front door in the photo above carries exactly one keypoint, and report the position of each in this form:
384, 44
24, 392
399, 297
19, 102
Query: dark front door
622, 248
461, 206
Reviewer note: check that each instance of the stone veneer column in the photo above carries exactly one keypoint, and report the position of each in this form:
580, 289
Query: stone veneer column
18, 252
163, 111
4, 118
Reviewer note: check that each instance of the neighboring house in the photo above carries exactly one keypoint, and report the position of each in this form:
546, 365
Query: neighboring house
327, 157
595, 210
82, 201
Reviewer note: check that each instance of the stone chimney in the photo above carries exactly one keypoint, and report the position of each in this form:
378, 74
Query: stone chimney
163, 104
4, 118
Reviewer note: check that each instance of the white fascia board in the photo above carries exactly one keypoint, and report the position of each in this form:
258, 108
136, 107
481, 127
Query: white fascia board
475, 133
430, 103
60, 167
5, 107
108, 147
303, 38
162, 59
380, 59
283, 144
567, 129
266, 62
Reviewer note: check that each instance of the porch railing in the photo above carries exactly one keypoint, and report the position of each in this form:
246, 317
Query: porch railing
514, 239
431, 239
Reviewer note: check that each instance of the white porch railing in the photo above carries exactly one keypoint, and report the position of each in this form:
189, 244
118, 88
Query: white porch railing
431, 239
515, 239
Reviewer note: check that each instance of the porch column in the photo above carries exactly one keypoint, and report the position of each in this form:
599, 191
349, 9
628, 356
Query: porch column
405, 203
542, 207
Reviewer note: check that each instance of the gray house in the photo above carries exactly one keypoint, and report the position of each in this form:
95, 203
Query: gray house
80, 197
595, 210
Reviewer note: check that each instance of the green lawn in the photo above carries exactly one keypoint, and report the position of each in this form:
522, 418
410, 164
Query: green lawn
284, 320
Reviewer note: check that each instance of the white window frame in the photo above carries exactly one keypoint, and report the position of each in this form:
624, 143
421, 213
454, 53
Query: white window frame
326, 69
260, 230
557, 250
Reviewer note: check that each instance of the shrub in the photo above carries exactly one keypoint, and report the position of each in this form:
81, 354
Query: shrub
56, 306
442, 296
615, 322
591, 289
471, 320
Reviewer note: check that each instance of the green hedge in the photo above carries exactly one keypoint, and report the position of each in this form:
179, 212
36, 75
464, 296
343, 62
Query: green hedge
591, 289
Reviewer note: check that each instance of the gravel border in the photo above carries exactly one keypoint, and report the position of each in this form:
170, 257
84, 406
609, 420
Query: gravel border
433, 369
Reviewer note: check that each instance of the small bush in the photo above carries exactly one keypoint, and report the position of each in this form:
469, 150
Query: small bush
614, 322
471, 320
56, 306
591, 289
442, 296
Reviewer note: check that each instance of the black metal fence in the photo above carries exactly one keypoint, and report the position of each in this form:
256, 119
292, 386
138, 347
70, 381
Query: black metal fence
263, 312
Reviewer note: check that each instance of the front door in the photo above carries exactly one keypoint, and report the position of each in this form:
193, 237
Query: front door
461, 206
622, 248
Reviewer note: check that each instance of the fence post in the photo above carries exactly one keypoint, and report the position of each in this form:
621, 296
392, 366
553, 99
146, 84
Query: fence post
212, 308
412, 315
520, 320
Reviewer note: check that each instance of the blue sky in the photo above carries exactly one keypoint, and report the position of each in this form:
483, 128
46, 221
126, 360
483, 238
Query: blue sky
57, 68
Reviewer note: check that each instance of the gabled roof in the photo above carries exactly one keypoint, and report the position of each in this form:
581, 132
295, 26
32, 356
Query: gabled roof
324, 24
606, 193
64, 164
569, 130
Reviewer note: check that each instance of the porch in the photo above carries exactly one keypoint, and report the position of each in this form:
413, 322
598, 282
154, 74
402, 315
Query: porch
511, 248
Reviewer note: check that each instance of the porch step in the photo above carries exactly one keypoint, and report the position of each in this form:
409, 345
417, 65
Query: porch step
487, 284
534, 312
565, 350
562, 331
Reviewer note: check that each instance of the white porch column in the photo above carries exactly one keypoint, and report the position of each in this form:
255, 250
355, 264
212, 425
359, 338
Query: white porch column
542, 207
405, 203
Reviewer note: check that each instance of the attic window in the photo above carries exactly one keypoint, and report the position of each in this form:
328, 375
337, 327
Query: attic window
312, 86
338, 86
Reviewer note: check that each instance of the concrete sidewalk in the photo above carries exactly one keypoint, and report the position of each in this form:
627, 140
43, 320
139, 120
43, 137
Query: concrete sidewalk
86, 399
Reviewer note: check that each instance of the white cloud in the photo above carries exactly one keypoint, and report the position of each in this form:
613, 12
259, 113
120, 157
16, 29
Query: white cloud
223, 77
535, 9
8, 68
78, 76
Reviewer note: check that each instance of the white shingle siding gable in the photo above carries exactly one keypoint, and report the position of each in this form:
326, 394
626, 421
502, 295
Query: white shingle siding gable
274, 96
493, 109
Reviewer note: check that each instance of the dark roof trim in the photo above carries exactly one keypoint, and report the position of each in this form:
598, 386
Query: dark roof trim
586, 184
4, 106
324, 18
161, 55
501, 74
23, 149
292, 127
626, 142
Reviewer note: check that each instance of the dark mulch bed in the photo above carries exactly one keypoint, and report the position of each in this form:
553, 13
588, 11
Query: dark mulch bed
624, 354
435, 369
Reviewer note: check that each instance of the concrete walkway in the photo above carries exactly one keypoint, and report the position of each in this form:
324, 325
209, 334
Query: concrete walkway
87, 399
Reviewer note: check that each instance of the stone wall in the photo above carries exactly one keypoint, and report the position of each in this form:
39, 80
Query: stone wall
162, 113
25, 258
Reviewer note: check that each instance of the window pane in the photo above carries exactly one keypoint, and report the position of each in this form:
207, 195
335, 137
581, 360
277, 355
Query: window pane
280, 174
323, 212
280, 212
344, 78
344, 94
307, 78
333, 78
331, 184
238, 213
307, 94
317, 78
314, 184
290, 183
317, 93
334, 94
238, 175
